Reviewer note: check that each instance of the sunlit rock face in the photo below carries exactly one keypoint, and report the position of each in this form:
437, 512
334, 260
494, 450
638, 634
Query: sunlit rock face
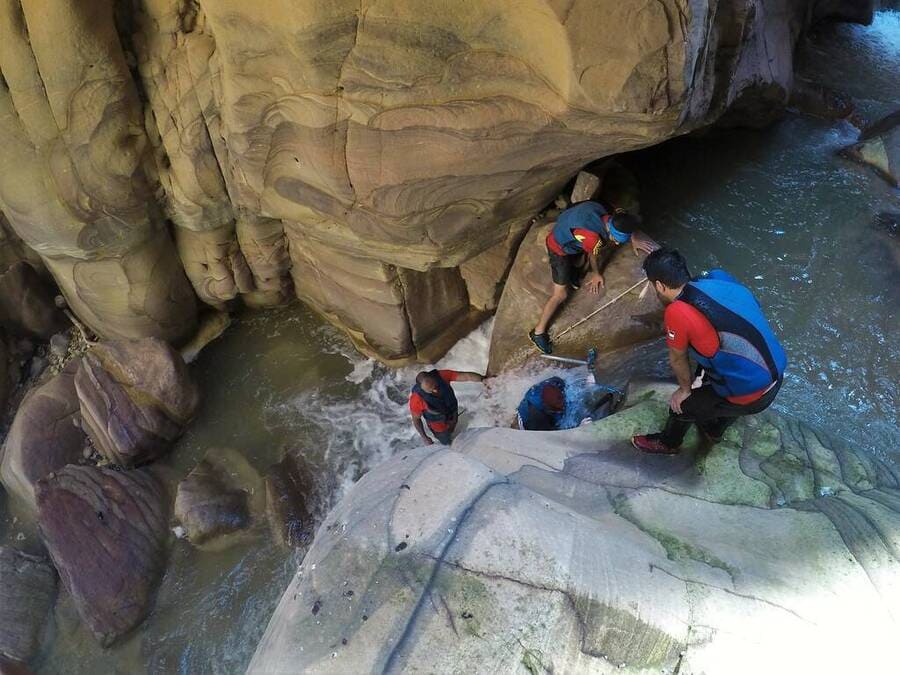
395, 135
772, 552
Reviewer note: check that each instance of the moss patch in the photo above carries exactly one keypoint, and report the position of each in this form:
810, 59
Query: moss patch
621, 637
726, 483
676, 549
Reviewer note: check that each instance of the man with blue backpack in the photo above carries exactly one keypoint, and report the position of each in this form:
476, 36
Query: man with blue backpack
583, 229
717, 322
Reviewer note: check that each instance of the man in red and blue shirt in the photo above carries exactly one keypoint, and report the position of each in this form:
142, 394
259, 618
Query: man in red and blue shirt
583, 229
432, 398
717, 322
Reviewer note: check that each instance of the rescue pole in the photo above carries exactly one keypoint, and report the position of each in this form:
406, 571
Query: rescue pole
600, 309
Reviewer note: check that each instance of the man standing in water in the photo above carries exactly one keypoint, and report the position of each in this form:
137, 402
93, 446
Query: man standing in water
717, 322
585, 228
432, 397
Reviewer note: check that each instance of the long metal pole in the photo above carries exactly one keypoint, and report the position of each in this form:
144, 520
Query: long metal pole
601, 308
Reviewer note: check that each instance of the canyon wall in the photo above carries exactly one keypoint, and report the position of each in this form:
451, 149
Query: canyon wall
378, 160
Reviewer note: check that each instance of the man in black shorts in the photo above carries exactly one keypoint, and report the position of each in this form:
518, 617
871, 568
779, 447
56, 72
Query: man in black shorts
585, 228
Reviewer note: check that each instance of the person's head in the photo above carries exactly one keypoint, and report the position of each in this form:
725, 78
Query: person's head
620, 227
428, 382
667, 270
553, 398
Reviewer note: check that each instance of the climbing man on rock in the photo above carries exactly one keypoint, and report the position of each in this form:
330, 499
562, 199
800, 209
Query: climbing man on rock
432, 398
717, 322
583, 229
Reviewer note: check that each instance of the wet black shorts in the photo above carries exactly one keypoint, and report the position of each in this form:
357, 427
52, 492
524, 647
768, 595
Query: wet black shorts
565, 269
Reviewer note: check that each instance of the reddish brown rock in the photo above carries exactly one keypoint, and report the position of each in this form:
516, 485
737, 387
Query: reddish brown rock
137, 397
106, 532
44, 436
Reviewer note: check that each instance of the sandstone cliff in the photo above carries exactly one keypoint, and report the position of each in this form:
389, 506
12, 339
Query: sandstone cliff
352, 154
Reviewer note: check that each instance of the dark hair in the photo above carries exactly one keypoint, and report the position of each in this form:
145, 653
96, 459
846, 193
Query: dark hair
424, 376
625, 222
668, 266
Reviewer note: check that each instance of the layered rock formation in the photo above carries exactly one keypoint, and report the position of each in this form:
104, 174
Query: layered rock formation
136, 398
775, 552
354, 155
106, 532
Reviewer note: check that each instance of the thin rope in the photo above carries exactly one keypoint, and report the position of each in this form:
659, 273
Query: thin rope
601, 308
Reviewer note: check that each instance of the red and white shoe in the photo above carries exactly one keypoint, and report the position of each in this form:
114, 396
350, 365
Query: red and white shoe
652, 445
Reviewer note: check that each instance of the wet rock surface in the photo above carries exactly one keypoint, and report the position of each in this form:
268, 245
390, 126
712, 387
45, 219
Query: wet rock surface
215, 498
44, 437
27, 592
137, 397
290, 494
637, 316
879, 147
105, 531
571, 552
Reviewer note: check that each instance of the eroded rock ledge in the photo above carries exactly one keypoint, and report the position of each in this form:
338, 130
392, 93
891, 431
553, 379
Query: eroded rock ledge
356, 156
570, 552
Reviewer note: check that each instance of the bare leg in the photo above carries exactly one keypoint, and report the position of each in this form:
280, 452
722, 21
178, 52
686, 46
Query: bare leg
560, 293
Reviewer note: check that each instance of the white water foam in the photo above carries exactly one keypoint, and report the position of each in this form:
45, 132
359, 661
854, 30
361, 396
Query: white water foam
356, 432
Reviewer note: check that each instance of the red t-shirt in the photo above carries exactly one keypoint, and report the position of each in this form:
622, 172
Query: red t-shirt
686, 326
590, 241
417, 404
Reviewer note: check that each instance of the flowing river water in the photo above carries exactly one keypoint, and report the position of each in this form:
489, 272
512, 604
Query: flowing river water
775, 207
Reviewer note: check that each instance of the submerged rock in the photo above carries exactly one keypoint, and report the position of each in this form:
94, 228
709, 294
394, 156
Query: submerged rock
137, 397
106, 532
571, 552
211, 327
215, 498
27, 591
879, 147
290, 491
44, 436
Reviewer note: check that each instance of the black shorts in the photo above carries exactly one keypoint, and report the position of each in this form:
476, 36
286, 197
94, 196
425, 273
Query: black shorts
565, 269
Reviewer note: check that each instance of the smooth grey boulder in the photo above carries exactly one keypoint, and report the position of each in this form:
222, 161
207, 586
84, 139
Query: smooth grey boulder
27, 591
775, 552
106, 532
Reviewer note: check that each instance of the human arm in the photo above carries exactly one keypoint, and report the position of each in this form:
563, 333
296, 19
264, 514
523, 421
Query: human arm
641, 242
681, 367
420, 428
595, 282
468, 376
